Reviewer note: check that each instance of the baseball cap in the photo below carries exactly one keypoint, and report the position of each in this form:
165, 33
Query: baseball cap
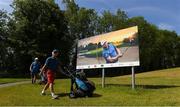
36, 58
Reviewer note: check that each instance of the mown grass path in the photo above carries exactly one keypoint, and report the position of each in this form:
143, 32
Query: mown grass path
13, 84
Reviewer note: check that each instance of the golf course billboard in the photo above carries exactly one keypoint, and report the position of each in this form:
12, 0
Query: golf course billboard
114, 49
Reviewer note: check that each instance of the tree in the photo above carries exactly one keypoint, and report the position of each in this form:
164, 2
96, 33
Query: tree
39, 27
147, 38
82, 23
158, 48
110, 22
178, 52
168, 48
5, 51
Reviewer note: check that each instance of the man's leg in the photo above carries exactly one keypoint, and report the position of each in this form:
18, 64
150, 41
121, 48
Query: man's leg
50, 77
51, 87
32, 79
35, 78
45, 88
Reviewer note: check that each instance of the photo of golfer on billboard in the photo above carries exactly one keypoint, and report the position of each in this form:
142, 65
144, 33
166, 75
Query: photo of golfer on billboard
114, 49
110, 52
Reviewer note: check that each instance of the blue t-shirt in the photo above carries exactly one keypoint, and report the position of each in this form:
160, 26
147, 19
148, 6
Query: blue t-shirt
35, 66
109, 52
52, 63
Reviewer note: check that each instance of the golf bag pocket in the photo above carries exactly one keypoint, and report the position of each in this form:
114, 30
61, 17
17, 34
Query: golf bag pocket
81, 84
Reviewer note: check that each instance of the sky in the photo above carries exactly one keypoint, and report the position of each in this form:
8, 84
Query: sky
163, 13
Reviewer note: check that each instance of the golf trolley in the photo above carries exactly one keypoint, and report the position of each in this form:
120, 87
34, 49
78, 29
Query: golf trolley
80, 85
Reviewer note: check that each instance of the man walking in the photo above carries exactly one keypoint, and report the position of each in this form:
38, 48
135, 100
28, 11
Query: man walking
34, 68
51, 66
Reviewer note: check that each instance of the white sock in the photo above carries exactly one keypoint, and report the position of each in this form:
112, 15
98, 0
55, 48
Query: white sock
52, 94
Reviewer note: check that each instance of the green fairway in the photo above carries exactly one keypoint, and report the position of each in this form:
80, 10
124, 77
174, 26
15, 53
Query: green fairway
155, 88
11, 80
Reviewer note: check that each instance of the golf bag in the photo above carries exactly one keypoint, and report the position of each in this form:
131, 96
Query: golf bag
43, 80
80, 85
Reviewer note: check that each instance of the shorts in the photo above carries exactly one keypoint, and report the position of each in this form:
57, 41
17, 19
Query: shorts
33, 74
50, 76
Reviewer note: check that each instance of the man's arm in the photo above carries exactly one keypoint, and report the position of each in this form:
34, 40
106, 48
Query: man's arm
43, 69
112, 59
61, 71
30, 68
118, 52
109, 58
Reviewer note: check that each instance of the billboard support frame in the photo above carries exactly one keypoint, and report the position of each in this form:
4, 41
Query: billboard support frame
103, 77
132, 77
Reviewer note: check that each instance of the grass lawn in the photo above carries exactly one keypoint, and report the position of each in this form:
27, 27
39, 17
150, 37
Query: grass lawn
11, 80
157, 88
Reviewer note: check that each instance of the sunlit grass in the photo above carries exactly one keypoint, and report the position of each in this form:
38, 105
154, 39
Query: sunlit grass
157, 88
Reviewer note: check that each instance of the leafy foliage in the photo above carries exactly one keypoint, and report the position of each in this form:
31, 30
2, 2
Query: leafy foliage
36, 27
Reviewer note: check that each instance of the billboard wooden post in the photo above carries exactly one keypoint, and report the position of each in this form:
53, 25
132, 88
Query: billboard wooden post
103, 77
133, 78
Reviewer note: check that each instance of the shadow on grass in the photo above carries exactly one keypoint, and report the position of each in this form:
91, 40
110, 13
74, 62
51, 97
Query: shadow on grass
4, 83
96, 95
67, 94
63, 94
144, 86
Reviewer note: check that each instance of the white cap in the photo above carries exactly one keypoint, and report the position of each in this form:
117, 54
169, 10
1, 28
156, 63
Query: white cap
103, 42
36, 58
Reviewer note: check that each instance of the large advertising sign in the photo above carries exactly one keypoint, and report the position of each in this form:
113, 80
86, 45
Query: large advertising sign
115, 49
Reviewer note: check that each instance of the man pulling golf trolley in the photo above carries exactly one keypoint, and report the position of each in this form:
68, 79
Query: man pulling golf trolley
83, 87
